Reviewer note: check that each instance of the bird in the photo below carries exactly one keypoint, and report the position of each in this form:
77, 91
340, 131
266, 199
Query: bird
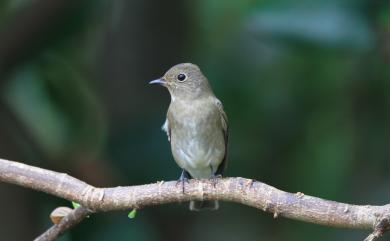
197, 127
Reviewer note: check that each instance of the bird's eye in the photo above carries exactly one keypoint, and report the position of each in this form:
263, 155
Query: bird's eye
181, 77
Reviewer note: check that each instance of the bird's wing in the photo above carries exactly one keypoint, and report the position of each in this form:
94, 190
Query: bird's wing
225, 129
165, 127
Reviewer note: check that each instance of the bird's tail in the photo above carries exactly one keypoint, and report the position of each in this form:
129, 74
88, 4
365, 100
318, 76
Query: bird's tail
204, 205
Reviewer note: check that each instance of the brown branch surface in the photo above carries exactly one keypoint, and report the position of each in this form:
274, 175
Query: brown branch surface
296, 206
71, 220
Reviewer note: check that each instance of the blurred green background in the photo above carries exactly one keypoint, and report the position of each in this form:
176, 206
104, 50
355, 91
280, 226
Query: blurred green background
305, 85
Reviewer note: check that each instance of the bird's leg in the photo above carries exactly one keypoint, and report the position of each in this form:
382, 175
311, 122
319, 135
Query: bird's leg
183, 178
214, 177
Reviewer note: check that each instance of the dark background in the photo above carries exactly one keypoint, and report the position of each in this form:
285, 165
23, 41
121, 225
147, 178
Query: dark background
305, 85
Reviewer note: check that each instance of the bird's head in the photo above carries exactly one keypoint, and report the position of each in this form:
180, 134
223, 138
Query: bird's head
184, 81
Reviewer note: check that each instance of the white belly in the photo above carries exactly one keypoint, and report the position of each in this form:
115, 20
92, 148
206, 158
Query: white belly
200, 160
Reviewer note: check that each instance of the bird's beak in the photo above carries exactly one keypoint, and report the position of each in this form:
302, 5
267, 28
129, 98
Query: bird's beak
157, 81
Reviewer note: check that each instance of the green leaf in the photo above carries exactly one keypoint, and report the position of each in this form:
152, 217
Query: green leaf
75, 205
132, 214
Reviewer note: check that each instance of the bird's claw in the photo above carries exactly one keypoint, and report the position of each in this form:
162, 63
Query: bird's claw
182, 182
214, 179
183, 178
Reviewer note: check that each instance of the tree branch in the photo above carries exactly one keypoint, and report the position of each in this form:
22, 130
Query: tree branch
69, 221
240, 190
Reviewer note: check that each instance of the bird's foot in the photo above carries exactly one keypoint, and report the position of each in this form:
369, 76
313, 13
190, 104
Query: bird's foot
183, 179
214, 179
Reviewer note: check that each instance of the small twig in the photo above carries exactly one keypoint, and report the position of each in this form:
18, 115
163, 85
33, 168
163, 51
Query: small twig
380, 228
69, 221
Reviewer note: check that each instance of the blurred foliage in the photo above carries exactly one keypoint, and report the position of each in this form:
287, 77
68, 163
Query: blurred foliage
305, 85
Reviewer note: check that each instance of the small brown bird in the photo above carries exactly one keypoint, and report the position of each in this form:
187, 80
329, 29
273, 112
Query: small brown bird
196, 125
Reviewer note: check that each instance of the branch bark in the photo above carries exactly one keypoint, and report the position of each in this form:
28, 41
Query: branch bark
68, 222
296, 206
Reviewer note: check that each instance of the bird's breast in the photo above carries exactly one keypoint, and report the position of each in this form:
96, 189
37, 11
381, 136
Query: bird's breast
197, 140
